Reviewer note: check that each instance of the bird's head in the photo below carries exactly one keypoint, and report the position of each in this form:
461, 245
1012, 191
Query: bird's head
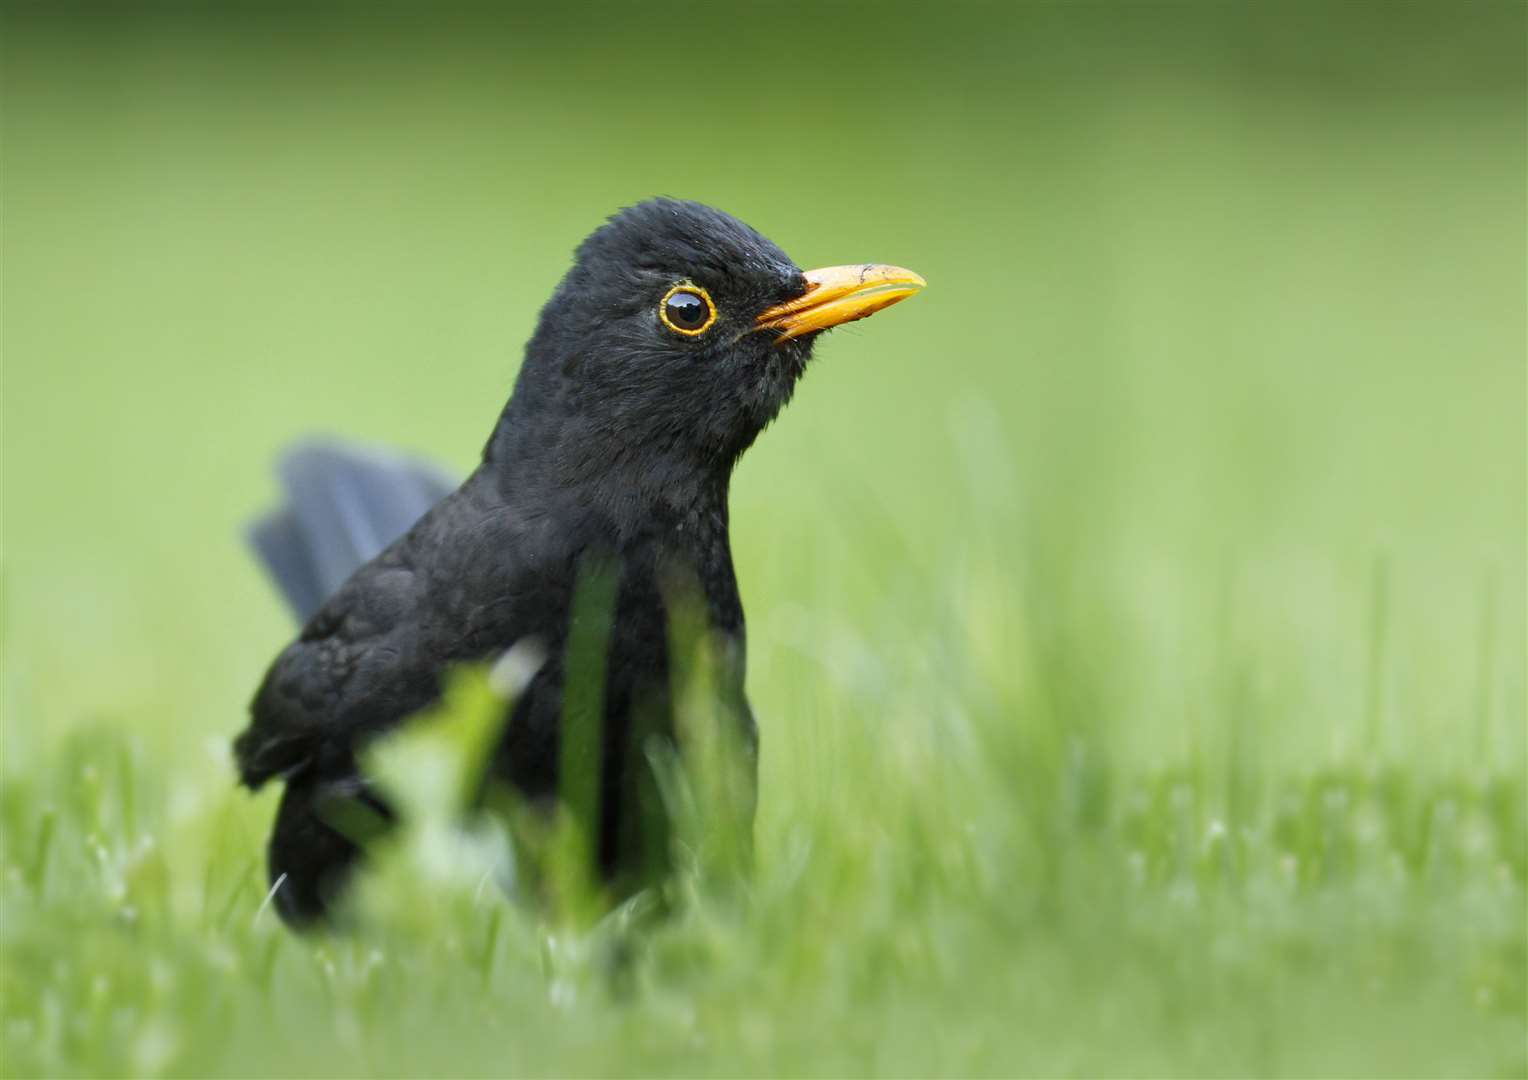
678, 334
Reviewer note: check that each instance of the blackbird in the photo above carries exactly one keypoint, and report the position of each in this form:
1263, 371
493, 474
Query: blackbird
677, 335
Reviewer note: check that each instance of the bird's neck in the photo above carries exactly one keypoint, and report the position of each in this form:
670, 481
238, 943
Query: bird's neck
637, 481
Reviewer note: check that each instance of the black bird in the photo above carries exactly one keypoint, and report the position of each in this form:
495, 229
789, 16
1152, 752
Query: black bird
676, 337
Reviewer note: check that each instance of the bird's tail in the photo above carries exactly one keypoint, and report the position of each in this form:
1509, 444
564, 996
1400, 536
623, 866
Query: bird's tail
343, 505
321, 832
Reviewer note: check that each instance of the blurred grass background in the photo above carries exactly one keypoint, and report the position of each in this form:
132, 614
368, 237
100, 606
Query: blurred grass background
1136, 620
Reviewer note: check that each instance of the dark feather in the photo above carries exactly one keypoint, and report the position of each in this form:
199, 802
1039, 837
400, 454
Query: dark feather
344, 504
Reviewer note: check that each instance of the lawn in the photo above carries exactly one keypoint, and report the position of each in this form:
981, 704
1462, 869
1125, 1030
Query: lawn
1136, 617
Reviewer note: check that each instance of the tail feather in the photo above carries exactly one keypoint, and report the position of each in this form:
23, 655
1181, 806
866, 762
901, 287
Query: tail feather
322, 829
344, 504
278, 542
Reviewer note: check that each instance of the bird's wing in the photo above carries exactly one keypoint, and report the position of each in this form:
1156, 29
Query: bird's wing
356, 657
463, 583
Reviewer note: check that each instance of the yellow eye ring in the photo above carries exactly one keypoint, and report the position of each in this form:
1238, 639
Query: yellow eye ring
680, 312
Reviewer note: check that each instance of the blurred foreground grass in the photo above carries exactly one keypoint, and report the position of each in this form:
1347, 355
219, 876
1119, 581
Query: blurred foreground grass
1136, 619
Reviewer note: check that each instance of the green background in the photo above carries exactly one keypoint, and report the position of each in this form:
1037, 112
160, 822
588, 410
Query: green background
1184, 511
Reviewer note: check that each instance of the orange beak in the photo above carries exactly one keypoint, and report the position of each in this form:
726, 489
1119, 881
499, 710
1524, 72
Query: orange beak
839, 294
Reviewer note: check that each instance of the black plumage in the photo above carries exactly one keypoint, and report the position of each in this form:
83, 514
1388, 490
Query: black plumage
614, 452
343, 506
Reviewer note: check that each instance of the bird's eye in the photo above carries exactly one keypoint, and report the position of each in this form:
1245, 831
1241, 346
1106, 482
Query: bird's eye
687, 309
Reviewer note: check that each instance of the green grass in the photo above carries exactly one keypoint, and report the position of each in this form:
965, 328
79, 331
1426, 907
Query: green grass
1136, 616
